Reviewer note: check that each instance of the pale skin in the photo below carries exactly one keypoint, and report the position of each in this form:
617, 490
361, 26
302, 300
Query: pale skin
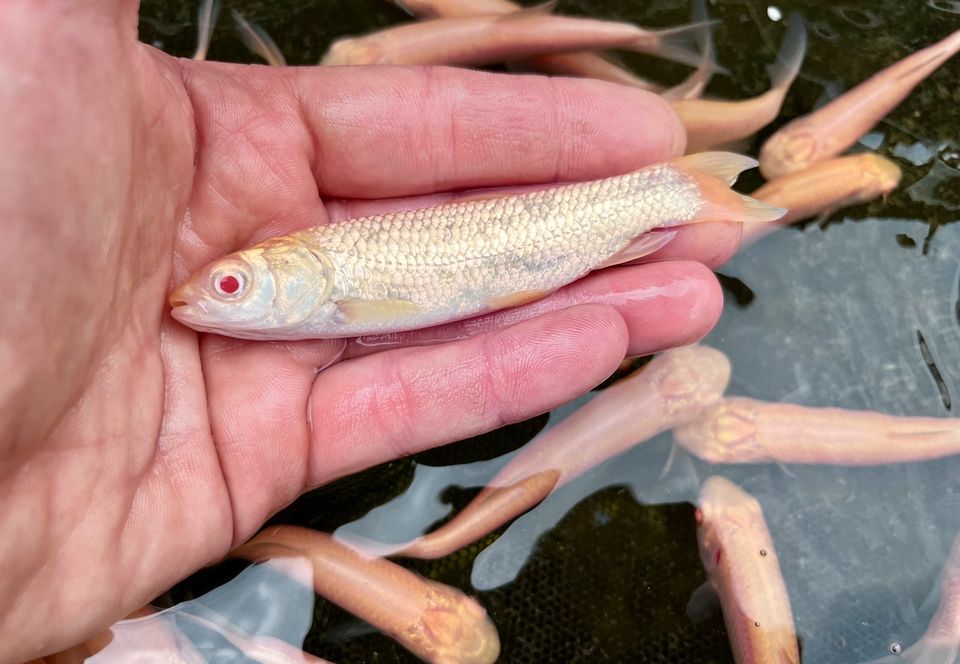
436, 622
670, 390
133, 450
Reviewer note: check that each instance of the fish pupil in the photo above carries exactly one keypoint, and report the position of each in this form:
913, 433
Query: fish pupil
229, 284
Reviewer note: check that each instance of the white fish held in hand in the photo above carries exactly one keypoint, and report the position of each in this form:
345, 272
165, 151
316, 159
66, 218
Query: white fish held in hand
419, 268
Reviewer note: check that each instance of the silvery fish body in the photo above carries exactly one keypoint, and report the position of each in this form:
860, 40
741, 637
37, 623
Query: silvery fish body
423, 267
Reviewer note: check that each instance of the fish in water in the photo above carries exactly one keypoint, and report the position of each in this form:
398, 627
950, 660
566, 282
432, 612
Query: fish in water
418, 268
830, 130
673, 388
436, 622
207, 14
742, 430
585, 63
491, 39
257, 40
940, 644
743, 570
713, 122
824, 187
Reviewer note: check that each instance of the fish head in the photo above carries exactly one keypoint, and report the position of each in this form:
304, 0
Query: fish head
723, 510
261, 292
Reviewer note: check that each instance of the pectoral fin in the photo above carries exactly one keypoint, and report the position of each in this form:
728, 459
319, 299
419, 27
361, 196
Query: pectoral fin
370, 311
704, 603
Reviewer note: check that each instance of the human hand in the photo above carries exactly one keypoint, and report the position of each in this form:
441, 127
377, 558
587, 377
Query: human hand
134, 450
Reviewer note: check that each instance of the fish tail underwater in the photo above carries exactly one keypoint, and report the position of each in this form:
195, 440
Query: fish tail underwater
812, 481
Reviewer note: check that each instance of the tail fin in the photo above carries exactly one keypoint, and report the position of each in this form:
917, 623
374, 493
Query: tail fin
488, 511
258, 41
714, 173
680, 44
792, 52
696, 83
207, 14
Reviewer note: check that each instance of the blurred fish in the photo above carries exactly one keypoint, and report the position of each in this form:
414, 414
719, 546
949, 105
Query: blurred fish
697, 82
491, 39
940, 644
207, 14
713, 122
742, 430
830, 130
824, 187
417, 268
436, 622
743, 569
584, 64
258, 41
671, 389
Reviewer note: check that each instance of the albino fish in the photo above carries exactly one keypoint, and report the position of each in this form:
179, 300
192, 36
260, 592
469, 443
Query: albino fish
434, 621
830, 130
417, 268
697, 82
583, 64
258, 41
491, 39
940, 644
742, 430
713, 122
207, 14
671, 389
823, 187
743, 569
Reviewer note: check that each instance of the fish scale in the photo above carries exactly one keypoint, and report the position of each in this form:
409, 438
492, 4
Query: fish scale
512, 244
416, 268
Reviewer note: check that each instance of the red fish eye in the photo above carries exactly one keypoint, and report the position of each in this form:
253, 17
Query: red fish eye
229, 284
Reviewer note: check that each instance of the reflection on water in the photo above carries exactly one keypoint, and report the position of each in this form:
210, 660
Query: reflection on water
258, 616
859, 311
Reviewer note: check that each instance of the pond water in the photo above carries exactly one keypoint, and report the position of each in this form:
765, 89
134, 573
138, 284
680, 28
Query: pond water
859, 309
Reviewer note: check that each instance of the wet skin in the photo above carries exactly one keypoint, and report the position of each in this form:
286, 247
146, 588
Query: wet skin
134, 450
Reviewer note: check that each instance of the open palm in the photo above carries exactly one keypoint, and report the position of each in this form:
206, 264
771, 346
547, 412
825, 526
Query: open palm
133, 450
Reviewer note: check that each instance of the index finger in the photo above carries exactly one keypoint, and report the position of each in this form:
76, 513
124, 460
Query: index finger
397, 131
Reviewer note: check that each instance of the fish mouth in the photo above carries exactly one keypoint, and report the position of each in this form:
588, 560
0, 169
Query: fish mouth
185, 309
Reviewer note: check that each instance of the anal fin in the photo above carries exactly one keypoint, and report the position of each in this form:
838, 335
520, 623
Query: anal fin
640, 246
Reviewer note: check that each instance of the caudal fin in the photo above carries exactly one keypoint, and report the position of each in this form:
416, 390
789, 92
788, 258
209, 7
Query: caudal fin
258, 41
714, 173
792, 52
207, 14
694, 85
681, 45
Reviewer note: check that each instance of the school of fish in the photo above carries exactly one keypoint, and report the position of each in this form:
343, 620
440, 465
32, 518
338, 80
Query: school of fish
460, 259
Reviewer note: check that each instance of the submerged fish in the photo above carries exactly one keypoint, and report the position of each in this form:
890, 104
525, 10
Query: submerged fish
418, 268
207, 14
742, 430
586, 64
713, 122
257, 40
436, 622
491, 39
830, 130
743, 569
671, 389
824, 187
